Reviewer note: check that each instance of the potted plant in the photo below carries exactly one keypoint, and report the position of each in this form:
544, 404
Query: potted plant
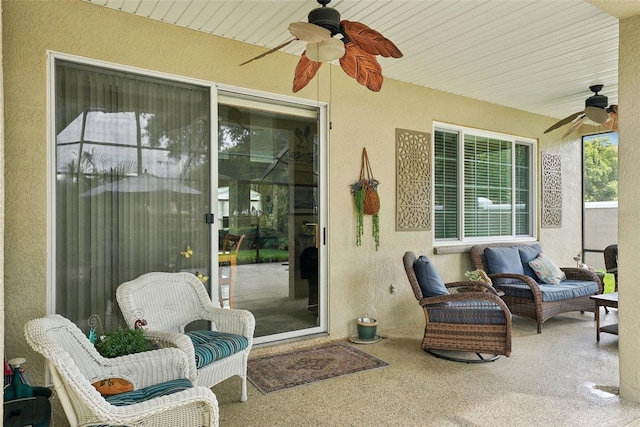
367, 328
123, 341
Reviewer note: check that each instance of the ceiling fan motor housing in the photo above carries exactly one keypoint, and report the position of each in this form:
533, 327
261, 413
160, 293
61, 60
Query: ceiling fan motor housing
326, 17
600, 101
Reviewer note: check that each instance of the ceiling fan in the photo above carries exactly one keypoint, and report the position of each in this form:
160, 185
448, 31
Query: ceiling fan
596, 109
328, 38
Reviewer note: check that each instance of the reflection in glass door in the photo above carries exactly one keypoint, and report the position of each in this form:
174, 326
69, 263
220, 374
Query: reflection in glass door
268, 214
132, 175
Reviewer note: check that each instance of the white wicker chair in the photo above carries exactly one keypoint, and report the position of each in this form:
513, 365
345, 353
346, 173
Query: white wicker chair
75, 364
168, 302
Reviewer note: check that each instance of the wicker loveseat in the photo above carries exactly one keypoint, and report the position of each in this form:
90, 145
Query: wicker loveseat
525, 295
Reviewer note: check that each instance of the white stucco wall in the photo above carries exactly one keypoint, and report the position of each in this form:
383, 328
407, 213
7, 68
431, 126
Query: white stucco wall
629, 207
2, 334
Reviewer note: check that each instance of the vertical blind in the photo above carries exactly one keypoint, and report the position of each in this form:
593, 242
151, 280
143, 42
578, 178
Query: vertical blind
496, 186
523, 189
487, 187
132, 184
446, 185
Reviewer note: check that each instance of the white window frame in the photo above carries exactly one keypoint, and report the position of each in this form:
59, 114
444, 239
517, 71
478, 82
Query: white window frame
533, 187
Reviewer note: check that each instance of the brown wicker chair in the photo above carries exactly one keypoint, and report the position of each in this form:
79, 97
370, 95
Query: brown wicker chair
611, 261
472, 322
535, 308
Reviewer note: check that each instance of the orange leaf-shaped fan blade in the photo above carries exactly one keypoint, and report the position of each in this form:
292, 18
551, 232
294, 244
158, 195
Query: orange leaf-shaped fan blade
362, 66
305, 71
370, 40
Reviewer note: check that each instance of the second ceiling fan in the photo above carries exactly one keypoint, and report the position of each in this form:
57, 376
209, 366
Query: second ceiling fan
328, 38
596, 109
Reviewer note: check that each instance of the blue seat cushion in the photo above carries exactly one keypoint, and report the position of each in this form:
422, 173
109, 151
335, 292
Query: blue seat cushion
476, 312
150, 392
566, 289
431, 284
210, 346
503, 259
527, 254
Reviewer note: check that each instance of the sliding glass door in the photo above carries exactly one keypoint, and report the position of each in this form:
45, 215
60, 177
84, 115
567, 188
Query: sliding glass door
269, 196
154, 174
131, 185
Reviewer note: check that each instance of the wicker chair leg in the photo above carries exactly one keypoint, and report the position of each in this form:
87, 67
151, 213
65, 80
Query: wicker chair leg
243, 392
480, 359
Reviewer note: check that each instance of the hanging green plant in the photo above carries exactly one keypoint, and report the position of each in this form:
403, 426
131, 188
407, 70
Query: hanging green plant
376, 229
358, 195
365, 194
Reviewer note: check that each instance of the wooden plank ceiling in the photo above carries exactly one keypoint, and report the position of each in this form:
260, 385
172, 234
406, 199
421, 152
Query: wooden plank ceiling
536, 56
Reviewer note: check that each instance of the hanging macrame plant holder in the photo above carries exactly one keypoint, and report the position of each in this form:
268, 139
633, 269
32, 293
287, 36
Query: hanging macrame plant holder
365, 192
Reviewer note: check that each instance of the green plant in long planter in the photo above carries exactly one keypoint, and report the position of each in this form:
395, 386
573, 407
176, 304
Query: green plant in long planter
123, 341
359, 191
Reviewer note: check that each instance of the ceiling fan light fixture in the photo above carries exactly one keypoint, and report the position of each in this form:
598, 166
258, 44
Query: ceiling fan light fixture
325, 50
596, 114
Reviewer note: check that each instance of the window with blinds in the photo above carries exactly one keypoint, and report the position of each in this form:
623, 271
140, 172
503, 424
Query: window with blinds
482, 185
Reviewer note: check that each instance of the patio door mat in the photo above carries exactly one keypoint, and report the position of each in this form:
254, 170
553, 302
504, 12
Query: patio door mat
301, 367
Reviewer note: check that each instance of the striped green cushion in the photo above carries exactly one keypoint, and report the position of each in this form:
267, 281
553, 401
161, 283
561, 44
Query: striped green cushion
147, 393
212, 345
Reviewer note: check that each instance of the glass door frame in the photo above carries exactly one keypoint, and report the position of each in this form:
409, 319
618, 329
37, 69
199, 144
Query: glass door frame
323, 131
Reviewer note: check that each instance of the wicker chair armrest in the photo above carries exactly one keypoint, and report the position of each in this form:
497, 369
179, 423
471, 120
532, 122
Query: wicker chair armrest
160, 410
533, 285
147, 368
232, 321
471, 284
574, 273
180, 341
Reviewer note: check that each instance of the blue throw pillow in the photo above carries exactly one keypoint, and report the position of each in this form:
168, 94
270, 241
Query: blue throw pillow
431, 284
546, 270
503, 259
527, 254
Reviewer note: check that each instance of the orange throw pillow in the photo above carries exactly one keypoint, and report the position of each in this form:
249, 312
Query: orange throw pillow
111, 386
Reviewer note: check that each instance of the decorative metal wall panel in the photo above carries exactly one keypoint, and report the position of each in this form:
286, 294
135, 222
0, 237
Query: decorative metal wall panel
413, 180
551, 191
